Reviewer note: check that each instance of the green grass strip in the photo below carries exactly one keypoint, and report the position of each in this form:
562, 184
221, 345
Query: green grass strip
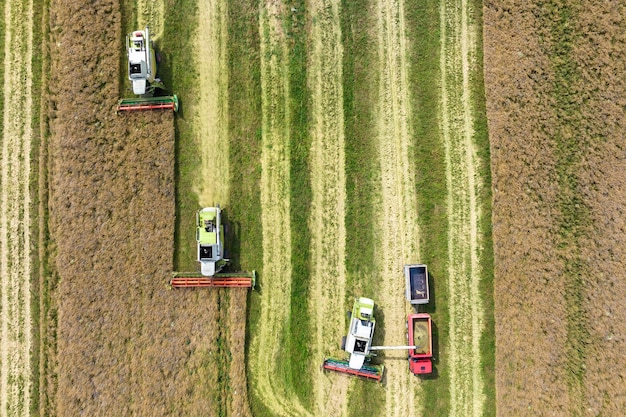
484, 196
362, 177
180, 78
38, 230
431, 187
298, 342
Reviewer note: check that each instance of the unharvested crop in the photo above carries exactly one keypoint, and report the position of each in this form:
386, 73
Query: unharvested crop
555, 101
126, 343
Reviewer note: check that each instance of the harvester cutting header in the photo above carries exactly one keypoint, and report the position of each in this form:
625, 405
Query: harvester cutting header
142, 73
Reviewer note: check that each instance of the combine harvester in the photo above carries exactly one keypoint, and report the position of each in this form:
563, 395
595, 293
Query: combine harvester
358, 342
142, 70
210, 238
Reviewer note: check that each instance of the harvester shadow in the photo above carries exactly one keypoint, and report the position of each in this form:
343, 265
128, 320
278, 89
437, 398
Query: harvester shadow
164, 73
379, 337
182, 226
431, 306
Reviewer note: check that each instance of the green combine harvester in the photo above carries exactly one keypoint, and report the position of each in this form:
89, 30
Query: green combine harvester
358, 344
142, 70
210, 239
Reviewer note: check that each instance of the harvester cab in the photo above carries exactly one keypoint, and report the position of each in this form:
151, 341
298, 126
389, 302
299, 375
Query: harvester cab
141, 61
361, 332
210, 238
142, 71
210, 254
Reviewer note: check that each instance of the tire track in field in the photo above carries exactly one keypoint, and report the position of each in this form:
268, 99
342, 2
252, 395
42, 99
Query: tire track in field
458, 43
328, 183
150, 13
275, 218
15, 246
210, 114
398, 215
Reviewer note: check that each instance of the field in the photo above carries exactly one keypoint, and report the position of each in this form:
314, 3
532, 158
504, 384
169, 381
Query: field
555, 107
343, 139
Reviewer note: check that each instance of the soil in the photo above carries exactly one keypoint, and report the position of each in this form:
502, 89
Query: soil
15, 219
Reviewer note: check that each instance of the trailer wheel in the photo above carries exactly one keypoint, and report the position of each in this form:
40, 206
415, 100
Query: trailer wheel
349, 314
343, 343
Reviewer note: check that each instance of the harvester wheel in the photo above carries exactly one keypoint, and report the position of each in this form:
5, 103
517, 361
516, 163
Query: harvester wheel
343, 343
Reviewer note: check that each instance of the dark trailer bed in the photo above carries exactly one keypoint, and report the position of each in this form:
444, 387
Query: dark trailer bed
416, 277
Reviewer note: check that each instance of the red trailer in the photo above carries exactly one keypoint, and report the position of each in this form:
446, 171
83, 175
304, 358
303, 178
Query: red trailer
420, 336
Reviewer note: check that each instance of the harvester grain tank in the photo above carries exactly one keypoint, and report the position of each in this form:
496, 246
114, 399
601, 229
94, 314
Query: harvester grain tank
210, 254
142, 73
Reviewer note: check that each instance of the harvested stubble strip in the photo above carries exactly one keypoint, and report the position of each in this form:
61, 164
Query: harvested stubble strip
397, 234
16, 138
327, 159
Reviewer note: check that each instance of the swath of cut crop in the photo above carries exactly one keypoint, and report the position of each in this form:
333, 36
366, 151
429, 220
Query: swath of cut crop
15, 245
150, 13
398, 214
210, 113
328, 183
465, 328
275, 218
